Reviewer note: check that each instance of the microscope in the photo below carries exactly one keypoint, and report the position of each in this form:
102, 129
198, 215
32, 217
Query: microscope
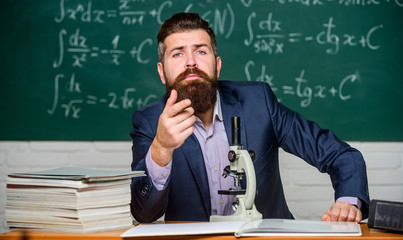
240, 164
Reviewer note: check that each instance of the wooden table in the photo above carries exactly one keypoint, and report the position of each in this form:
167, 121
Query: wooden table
367, 233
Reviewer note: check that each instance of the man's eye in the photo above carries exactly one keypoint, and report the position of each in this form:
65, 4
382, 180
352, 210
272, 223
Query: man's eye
177, 55
201, 52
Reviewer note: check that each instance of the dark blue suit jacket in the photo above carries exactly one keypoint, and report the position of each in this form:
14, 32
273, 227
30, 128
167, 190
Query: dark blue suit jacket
266, 125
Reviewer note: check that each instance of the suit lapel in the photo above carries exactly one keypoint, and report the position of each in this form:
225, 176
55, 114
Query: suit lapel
194, 158
231, 107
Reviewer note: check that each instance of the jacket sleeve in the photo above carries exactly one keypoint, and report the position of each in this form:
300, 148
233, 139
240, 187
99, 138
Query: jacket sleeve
147, 204
322, 149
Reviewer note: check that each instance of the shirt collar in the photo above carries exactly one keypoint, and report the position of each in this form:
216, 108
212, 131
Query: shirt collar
217, 108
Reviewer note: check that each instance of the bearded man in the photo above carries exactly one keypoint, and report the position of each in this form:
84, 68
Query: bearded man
182, 140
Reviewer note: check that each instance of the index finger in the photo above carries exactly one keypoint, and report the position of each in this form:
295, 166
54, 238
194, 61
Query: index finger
172, 108
172, 98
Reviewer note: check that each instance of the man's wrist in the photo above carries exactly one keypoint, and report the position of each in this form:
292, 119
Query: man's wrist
159, 154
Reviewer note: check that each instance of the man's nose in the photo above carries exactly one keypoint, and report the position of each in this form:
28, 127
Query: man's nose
190, 61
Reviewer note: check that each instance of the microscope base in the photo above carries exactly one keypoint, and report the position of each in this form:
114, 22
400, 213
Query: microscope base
241, 214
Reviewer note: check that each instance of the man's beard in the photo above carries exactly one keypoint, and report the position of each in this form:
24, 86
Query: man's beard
202, 92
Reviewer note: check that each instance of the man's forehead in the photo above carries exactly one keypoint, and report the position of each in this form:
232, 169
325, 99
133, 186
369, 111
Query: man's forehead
195, 38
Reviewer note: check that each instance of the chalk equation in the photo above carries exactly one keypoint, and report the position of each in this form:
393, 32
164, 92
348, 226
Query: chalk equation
309, 3
134, 12
270, 42
87, 13
271, 38
265, 34
127, 13
81, 52
122, 34
302, 90
70, 98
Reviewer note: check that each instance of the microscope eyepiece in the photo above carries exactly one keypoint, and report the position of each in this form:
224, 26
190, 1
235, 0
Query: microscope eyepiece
236, 131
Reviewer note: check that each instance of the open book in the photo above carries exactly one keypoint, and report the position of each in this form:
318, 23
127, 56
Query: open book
263, 227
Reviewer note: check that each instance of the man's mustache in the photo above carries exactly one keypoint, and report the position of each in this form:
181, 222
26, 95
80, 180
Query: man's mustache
192, 70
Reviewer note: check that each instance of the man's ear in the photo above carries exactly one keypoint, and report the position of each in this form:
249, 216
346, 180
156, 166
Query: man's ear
218, 60
160, 68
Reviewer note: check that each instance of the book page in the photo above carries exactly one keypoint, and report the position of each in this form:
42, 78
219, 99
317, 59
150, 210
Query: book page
176, 229
288, 227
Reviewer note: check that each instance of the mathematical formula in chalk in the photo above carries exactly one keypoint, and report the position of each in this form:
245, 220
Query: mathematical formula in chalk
302, 90
70, 98
253, 31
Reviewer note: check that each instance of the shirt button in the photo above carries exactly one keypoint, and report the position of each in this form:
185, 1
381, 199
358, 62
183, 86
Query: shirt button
216, 169
164, 175
222, 201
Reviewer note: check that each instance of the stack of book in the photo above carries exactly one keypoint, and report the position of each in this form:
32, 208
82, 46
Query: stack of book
70, 200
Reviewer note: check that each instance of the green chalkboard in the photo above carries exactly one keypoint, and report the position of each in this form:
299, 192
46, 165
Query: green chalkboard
77, 69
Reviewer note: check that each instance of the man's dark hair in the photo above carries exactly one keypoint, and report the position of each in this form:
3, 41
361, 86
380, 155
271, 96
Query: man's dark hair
181, 22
